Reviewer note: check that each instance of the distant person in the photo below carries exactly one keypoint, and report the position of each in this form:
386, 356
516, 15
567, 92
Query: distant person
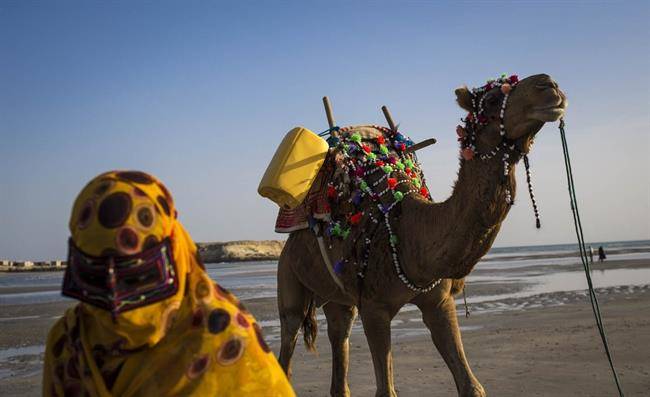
601, 254
591, 253
150, 321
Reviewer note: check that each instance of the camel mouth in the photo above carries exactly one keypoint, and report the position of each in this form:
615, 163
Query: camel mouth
548, 113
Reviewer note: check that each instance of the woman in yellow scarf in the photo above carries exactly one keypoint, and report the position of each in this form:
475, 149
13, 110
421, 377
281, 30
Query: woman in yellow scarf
150, 322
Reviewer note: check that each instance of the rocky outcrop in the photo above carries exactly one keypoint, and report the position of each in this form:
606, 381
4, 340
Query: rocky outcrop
230, 251
240, 251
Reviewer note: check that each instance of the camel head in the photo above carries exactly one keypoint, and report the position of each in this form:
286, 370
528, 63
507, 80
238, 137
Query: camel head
509, 108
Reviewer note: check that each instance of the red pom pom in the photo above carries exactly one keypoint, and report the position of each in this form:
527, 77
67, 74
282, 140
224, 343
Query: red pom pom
366, 148
356, 218
513, 79
359, 171
379, 163
468, 153
424, 192
408, 171
400, 146
392, 182
469, 117
331, 192
381, 140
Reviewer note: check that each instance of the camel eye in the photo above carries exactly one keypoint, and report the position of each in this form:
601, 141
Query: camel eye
546, 85
491, 101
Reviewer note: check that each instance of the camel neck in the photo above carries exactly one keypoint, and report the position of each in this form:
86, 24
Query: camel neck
451, 236
479, 195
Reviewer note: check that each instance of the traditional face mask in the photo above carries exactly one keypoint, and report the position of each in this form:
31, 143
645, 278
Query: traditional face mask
121, 283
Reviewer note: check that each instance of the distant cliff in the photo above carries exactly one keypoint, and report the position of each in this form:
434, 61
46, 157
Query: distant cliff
230, 251
239, 251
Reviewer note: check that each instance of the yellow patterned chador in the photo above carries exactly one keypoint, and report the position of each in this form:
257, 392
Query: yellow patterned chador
150, 322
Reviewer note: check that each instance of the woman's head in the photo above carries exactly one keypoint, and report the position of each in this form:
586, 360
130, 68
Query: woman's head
128, 255
121, 213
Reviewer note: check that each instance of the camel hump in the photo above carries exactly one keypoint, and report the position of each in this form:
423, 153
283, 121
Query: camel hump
366, 175
367, 131
369, 169
367, 172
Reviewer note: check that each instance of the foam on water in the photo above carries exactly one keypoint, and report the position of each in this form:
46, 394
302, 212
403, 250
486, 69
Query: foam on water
28, 359
27, 298
13, 352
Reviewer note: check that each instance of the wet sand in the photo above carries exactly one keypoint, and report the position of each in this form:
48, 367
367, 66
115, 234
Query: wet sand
552, 351
542, 345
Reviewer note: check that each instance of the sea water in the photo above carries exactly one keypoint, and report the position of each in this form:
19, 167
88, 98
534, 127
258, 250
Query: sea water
542, 268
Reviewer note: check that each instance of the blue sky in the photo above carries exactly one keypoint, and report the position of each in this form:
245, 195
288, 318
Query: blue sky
201, 93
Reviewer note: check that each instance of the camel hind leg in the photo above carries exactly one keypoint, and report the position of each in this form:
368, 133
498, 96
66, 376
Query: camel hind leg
339, 325
376, 325
295, 305
438, 309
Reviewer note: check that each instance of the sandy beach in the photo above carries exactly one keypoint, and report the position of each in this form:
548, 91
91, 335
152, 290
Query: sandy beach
542, 352
519, 342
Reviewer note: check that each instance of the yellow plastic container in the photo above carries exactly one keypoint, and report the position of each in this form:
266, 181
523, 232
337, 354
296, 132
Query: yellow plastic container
294, 167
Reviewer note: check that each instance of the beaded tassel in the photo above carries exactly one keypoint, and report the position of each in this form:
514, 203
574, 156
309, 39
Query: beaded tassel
506, 171
530, 190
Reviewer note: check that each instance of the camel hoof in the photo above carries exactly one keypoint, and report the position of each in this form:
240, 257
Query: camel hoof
475, 390
344, 393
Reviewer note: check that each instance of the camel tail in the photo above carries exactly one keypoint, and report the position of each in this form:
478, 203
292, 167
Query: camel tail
310, 327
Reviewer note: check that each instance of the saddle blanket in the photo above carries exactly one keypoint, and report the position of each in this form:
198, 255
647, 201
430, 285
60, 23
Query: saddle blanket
315, 204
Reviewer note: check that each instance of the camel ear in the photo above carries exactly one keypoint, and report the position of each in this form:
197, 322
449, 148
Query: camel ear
464, 98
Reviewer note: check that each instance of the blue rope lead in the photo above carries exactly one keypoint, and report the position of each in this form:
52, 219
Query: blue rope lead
583, 256
329, 131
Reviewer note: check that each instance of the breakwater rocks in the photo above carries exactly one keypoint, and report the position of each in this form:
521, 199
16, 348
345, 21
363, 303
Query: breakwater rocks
31, 266
240, 251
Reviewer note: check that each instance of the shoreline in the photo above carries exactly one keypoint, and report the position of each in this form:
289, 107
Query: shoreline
241, 251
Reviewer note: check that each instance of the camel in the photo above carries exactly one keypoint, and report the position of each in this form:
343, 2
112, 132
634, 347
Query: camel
438, 241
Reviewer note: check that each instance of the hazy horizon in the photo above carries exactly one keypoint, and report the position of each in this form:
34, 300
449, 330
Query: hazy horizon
200, 95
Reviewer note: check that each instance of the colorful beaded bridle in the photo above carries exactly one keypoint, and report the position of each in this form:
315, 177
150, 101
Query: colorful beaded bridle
477, 119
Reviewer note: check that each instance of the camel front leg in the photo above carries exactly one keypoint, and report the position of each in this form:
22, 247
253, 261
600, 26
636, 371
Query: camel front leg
376, 325
339, 325
439, 314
